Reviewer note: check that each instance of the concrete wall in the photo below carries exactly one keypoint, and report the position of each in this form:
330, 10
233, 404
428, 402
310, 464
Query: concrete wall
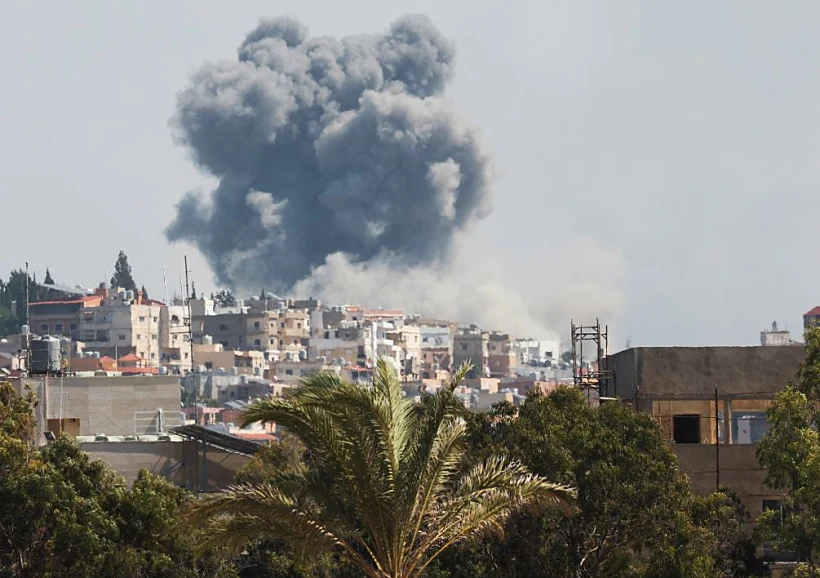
697, 371
108, 405
738, 469
179, 462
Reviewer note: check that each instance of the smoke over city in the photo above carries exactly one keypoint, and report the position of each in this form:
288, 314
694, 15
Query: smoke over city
340, 166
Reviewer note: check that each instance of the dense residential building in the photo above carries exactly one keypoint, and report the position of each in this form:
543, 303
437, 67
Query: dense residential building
703, 396
501, 356
471, 345
115, 323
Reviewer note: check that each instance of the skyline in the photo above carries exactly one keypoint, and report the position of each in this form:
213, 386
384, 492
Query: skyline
662, 135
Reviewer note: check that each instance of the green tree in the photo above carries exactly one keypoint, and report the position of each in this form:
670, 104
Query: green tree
193, 290
389, 487
634, 515
66, 515
122, 274
790, 452
48, 280
225, 299
144, 292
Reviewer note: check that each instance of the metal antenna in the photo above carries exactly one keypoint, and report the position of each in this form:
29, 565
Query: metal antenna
191, 340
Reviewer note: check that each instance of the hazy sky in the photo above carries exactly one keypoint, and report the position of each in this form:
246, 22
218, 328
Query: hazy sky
656, 163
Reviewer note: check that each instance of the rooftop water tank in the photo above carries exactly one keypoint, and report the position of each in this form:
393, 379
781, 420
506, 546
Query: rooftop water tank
25, 330
45, 355
207, 340
129, 295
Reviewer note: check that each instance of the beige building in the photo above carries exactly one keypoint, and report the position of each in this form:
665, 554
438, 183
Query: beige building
123, 406
703, 396
115, 323
502, 357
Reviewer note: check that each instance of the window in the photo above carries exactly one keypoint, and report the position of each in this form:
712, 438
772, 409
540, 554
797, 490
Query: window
463, 347
154, 319
153, 355
185, 356
282, 325
223, 327
776, 505
748, 426
121, 336
686, 429
142, 318
44, 327
154, 336
288, 372
174, 319
257, 342
273, 342
138, 337
298, 326
256, 325
209, 365
58, 327
72, 327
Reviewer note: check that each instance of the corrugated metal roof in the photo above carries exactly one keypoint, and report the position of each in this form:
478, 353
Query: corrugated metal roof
222, 441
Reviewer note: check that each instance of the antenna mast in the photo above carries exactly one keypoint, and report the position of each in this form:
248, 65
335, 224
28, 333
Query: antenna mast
194, 369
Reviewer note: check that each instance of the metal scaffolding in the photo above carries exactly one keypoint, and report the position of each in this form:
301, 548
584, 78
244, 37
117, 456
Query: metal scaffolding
585, 376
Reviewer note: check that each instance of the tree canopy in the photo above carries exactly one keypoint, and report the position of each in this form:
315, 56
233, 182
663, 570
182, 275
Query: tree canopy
790, 452
122, 274
66, 515
225, 299
635, 514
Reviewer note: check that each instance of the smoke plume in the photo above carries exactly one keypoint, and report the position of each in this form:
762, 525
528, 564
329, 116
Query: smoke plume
323, 145
343, 174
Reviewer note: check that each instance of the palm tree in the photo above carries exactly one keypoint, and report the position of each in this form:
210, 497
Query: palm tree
387, 483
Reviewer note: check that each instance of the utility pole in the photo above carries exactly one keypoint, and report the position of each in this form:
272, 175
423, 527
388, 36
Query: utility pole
717, 444
194, 369
28, 325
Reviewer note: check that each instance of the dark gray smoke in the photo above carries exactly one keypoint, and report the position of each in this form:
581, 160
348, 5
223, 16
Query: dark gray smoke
324, 145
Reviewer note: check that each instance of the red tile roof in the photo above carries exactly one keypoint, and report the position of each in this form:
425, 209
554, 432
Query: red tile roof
131, 357
253, 436
85, 299
813, 312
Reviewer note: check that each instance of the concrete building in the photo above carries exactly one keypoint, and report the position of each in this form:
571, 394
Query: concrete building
811, 318
471, 345
536, 352
346, 342
290, 372
115, 323
119, 406
436, 349
775, 336
701, 396
182, 461
408, 339
501, 357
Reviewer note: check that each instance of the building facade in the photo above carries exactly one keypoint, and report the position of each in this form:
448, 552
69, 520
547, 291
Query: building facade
705, 396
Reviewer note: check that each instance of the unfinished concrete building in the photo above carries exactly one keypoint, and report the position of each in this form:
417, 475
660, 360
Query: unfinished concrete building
710, 404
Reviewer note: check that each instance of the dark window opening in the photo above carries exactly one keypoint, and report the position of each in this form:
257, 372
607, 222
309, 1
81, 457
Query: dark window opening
686, 429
